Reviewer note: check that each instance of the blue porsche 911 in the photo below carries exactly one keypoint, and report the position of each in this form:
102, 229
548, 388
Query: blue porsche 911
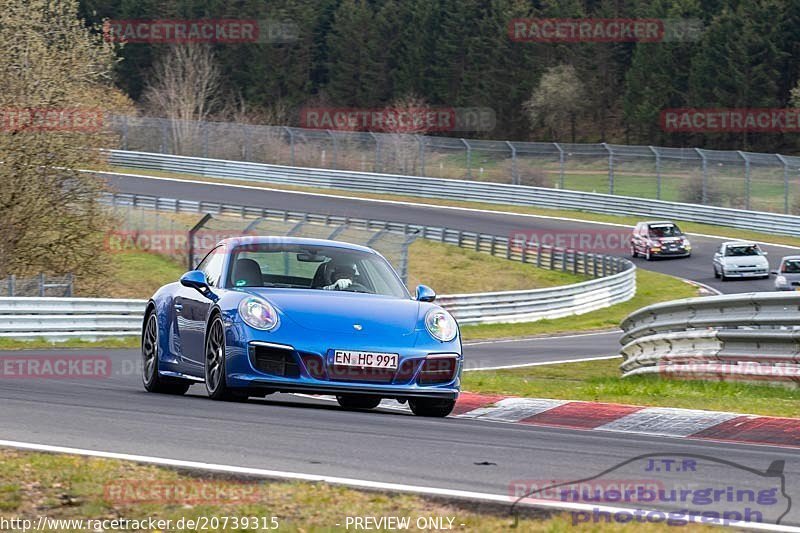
273, 314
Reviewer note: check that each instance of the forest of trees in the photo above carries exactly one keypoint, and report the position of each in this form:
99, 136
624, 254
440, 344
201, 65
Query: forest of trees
458, 53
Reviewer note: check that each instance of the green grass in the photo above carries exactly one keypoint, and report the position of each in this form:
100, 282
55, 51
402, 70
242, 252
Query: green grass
599, 381
139, 274
449, 269
71, 487
652, 287
42, 343
690, 227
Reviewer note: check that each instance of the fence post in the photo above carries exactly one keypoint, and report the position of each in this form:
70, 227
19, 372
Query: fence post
246, 149
421, 141
41, 283
785, 183
514, 173
164, 135
747, 185
12, 284
335, 149
560, 165
291, 142
124, 132
610, 168
204, 129
69, 285
658, 172
469, 158
192, 233
705, 175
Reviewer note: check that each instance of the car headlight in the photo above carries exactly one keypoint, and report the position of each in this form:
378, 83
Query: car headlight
258, 313
780, 280
441, 325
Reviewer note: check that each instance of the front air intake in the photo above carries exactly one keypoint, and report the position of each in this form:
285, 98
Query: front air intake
438, 369
274, 360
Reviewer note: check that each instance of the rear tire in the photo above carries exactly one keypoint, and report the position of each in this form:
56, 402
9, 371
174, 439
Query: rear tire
431, 408
358, 402
151, 379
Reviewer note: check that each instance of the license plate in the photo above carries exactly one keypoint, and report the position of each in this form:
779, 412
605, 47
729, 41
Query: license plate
365, 359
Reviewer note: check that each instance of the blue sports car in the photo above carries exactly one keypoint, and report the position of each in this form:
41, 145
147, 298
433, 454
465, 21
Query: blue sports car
273, 314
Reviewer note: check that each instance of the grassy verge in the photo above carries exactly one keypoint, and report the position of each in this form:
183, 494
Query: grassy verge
449, 269
67, 487
446, 268
41, 344
652, 287
599, 381
690, 227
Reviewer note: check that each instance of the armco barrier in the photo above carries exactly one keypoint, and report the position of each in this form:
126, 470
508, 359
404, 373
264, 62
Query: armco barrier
751, 337
67, 318
458, 190
615, 278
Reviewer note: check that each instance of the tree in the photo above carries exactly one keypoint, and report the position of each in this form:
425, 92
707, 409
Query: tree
557, 101
185, 87
52, 221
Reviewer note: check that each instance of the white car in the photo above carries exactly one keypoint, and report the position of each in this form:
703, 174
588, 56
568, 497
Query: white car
740, 259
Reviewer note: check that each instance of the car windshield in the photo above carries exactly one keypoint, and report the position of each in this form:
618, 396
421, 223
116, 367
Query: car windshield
665, 230
744, 250
303, 266
791, 266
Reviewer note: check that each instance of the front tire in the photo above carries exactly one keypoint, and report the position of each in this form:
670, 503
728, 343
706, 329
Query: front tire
151, 379
634, 253
647, 255
215, 369
431, 408
358, 402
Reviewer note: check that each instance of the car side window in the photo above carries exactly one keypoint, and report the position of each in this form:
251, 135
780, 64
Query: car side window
211, 266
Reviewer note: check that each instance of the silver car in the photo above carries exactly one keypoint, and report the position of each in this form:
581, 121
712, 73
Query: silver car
788, 274
740, 259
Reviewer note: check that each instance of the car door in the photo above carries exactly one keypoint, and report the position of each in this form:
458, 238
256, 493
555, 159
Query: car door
194, 312
718, 258
635, 238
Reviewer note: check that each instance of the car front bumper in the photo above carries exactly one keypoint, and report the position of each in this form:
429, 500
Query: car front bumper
746, 274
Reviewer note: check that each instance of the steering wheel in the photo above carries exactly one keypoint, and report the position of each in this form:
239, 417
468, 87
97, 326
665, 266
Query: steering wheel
357, 287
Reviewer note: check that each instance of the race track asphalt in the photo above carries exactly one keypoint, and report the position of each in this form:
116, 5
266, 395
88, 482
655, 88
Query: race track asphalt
290, 433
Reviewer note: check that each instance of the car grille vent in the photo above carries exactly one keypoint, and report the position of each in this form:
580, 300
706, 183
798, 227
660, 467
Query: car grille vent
275, 361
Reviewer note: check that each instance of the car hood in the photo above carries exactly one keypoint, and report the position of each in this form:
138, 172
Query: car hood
339, 312
758, 260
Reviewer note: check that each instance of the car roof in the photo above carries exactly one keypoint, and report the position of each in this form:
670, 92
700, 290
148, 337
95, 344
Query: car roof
276, 239
654, 222
740, 243
791, 257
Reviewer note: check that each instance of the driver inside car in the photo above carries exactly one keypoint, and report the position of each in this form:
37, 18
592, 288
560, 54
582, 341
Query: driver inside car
342, 276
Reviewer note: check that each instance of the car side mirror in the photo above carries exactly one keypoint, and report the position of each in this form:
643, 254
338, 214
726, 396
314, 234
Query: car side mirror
196, 279
425, 294
764, 253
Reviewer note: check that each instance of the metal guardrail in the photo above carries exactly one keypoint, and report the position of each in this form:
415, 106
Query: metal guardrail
41, 285
450, 189
615, 278
87, 318
735, 179
749, 337
68, 318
